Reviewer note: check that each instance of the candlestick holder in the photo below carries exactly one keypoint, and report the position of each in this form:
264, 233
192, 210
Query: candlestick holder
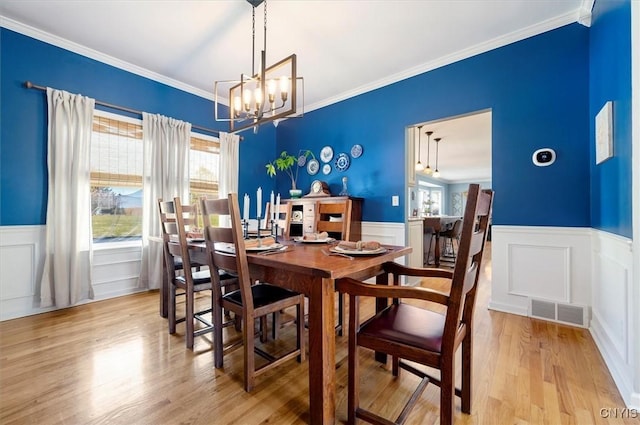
274, 229
245, 228
259, 232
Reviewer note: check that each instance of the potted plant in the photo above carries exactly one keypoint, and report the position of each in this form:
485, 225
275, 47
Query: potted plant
290, 165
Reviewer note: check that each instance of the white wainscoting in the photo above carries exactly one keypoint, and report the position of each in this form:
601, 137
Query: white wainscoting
578, 267
115, 266
21, 260
115, 271
613, 308
540, 263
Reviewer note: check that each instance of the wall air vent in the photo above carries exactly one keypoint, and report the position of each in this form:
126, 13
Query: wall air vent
576, 315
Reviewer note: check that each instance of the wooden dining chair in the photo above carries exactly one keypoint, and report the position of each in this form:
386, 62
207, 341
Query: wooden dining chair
175, 220
335, 219
283, 218
226, 251
423, 335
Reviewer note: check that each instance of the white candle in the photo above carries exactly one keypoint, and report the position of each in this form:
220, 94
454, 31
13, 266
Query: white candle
272, 206
245, 211
277, 217
259, 194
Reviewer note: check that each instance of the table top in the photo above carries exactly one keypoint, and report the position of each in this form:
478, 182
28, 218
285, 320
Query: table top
309, 259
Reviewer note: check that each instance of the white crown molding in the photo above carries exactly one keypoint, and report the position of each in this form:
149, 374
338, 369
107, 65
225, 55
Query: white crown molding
101, 57
521, 34
584, 17
579, 15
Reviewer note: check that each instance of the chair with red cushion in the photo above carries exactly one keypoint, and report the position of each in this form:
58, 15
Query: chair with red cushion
423, 334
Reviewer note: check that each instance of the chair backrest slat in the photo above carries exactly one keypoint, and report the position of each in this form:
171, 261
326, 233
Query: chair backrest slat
469, 260
339, 229
215, 234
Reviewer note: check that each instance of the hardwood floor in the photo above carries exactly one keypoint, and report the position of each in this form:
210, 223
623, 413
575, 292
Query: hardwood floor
113, 362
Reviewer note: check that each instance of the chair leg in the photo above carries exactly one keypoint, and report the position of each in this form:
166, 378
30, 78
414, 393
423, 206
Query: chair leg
353, 397
217, 334
300, 343
447, 392
467, 366
248, 341
341, 323
276, 322
263, 329
190, 306
171, 309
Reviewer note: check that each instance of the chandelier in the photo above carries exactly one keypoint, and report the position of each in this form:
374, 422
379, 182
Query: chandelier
269, 94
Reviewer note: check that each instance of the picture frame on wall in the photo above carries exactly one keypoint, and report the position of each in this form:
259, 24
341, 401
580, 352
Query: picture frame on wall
604, 133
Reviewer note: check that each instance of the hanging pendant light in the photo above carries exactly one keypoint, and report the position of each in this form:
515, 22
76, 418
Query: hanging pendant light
419, 166
428, 170
436, 173
266, 95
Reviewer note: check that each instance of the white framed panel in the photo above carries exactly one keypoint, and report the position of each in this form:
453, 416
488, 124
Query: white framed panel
549, 263
539, 271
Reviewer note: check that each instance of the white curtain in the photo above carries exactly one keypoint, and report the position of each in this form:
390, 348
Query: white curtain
165, 171
66, 278
229, 164
229, 168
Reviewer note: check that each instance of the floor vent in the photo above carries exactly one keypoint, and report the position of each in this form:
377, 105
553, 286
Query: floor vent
565, 313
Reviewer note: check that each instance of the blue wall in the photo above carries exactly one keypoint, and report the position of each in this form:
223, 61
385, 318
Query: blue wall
23, 136
610, 79
537, 90
543, 92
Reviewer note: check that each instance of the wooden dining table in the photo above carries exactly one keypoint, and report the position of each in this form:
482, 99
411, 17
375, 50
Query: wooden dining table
305, 268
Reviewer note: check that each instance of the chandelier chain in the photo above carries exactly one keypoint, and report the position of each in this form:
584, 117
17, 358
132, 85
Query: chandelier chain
253, 41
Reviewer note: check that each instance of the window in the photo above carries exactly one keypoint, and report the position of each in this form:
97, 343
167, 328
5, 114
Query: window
116, 178
116, 175
429, 199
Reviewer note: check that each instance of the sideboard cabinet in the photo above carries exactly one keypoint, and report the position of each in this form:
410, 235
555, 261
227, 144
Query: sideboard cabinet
304, 215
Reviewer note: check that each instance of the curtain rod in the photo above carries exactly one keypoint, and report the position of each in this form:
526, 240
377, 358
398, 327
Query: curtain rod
30, 85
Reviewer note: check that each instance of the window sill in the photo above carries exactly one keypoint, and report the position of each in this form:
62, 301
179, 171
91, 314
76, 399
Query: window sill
105, 246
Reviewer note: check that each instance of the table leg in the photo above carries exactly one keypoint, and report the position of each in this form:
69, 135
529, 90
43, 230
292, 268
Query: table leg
322, 353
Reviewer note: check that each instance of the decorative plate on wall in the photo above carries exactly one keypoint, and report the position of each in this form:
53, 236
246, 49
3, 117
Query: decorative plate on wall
356, 151
326, 154
326, 168
313, 166
302, 160
342, 162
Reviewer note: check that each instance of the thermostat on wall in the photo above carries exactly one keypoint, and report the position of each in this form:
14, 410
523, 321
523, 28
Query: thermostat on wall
544, 157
